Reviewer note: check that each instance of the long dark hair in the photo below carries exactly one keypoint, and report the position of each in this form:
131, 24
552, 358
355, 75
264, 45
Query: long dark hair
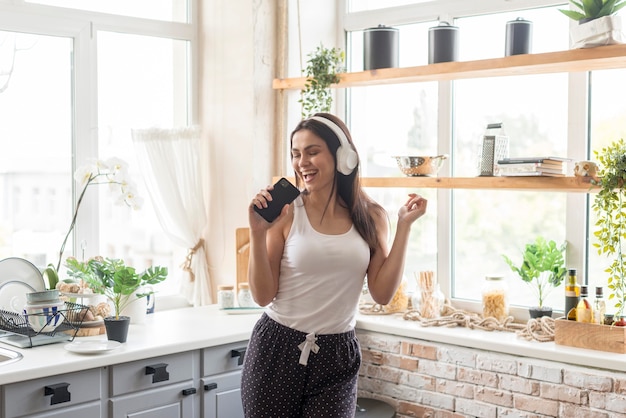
348, 187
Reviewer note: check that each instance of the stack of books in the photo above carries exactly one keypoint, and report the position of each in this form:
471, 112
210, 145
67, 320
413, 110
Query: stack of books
532, 166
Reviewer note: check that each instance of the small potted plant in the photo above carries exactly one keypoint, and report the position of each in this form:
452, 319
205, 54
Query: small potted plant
610, 205
119, 283
323, 69
543, 268
597, 23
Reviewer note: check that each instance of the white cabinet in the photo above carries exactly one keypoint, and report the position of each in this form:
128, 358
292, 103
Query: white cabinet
159, 387
66, 395
220, 382
202, 383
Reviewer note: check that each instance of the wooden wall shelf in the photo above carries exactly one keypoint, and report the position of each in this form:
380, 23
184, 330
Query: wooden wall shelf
541, 184
574, 60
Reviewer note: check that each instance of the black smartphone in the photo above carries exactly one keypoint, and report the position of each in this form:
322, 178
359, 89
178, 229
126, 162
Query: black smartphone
283, 193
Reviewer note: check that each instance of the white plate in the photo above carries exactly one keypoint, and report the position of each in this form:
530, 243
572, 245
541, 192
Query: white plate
242, 311
13, 296
92, 347
14, 269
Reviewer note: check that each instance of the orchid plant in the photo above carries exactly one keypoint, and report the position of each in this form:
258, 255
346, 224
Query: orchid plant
112, 172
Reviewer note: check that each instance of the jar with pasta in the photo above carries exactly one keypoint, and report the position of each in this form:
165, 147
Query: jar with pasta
495, 298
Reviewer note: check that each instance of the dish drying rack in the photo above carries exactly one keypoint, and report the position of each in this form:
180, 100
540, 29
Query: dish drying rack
20, 334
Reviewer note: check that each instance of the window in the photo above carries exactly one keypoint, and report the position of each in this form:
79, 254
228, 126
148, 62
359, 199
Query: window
534, 109
71, 89
607, 124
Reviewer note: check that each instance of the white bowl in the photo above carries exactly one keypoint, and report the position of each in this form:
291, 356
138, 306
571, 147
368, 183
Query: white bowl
44, 317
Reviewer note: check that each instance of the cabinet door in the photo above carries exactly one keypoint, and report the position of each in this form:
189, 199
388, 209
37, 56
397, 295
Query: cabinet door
90, 410
52, 393
221, 396
153, 372
173, 401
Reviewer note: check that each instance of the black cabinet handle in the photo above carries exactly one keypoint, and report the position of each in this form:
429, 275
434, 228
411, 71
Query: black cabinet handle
238, 352
190, 391
59, 393
158, 372
210, 386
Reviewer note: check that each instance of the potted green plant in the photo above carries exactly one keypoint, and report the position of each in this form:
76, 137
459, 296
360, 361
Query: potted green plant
119, 283
610, 205
323, 68
597, 23
543, 268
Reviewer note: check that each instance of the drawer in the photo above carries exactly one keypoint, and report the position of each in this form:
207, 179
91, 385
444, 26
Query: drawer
50, 393
223, 358
153, 372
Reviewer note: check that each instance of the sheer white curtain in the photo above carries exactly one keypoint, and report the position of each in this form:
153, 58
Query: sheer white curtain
169, 163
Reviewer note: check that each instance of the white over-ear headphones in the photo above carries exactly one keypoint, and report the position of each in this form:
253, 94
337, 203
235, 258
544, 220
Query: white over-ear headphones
346, 156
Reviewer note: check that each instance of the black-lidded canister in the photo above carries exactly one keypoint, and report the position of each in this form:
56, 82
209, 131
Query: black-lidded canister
518, 37
380, 47
443, 43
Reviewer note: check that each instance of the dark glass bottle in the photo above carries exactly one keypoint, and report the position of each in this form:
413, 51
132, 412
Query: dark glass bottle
572, 294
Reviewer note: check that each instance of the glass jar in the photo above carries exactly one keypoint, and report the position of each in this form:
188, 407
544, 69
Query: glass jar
495, 298
244, 297
225, 296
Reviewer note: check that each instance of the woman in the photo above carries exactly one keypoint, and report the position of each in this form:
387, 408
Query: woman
309, 265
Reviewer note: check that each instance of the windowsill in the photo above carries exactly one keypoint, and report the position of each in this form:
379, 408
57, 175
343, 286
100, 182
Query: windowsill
498, 341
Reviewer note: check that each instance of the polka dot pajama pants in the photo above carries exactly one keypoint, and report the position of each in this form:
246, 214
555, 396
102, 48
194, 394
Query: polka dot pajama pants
275, 385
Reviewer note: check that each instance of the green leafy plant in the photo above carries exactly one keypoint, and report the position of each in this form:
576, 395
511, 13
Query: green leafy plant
323, 68
543, 266
112, 172
593, 9
610, 207
114, 279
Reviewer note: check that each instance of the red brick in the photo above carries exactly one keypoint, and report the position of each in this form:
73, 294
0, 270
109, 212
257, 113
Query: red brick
450, 387
564, 393
493, 396
536, 405
419, 350
518, 384
576, 411
477, 377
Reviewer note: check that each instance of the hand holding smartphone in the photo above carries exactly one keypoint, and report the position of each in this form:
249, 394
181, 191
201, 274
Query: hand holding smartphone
283, 193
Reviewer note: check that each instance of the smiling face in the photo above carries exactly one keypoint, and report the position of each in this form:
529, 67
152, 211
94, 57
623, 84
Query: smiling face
312, 160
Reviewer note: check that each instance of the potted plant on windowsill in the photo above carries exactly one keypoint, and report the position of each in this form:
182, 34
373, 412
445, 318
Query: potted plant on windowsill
543, 268
121, 284
323, 68
597, 24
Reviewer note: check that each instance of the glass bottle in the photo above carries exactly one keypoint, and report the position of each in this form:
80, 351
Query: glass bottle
584, 310
244, 296
572, 295
599, 306
495, 298
225, 296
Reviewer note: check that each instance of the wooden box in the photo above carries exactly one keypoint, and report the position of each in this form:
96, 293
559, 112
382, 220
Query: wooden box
592, 336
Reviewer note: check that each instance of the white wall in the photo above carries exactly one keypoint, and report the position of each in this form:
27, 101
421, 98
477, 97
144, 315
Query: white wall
238, 44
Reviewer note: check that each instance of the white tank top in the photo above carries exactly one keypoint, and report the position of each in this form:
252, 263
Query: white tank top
321, 278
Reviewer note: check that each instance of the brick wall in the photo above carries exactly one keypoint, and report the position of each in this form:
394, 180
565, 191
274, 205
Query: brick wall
433, 380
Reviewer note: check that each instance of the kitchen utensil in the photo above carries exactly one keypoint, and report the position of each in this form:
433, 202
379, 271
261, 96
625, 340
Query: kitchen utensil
415, 165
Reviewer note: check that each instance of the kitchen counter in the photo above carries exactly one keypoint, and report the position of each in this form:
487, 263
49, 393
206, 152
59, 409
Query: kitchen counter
163, 333
186, 329
497, 341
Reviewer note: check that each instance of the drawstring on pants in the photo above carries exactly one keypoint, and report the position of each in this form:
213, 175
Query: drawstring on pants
306, 347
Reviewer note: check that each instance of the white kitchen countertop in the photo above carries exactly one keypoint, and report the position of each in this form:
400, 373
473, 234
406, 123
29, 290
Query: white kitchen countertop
179, 330
498, 341
166, 332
